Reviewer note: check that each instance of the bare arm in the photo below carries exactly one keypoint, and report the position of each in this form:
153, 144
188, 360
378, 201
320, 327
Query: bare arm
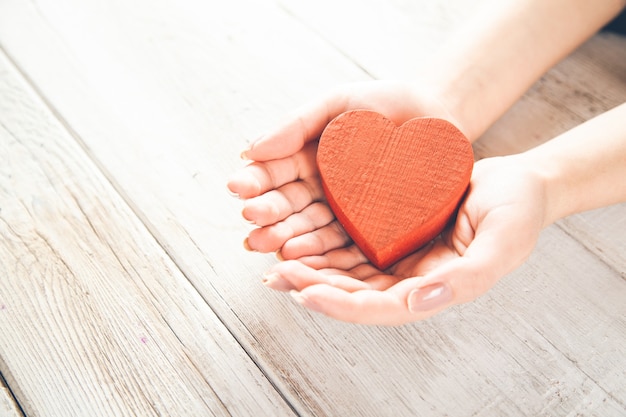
504, 49
584, 168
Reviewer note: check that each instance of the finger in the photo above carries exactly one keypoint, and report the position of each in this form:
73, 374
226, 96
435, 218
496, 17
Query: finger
260, 177
306, 124
318, 242
374, 277
421, 261
489, 256
364, 306
366, 272
343, 258
382, 282
272, 238
293, 275
462, 232
277, 205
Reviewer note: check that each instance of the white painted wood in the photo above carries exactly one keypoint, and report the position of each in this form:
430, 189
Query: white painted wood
164, 96
8, 407
95, 318
602, 232
389, 39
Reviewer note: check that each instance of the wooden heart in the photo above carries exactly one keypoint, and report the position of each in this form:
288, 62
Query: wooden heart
393, 188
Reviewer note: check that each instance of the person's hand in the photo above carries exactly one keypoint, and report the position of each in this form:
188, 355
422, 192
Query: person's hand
281, 188
496, 229
283, 196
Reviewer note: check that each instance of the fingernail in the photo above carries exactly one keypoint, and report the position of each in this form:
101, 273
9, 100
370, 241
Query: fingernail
430, 297
247, 246
305, 302
244, 154
232, 194
279, 255
276, 282
269, 277
243, 214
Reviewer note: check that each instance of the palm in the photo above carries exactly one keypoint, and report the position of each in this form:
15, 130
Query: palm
282, 188
495, 230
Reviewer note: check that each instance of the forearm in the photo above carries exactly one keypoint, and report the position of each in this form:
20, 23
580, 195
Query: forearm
583, 168
504, 48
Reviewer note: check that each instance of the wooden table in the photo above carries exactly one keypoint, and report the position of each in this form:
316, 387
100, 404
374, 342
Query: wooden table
124, 287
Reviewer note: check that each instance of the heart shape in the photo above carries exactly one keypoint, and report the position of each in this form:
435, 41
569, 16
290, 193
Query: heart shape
393, 188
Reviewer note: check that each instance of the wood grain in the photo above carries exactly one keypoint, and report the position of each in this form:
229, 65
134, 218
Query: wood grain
393, 188
95, 318
163, 96
8, 406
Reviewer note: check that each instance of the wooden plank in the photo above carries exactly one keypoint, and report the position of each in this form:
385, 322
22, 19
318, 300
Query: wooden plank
602, 232
388, 39
133, 87
8, 406
95, 318
169, 101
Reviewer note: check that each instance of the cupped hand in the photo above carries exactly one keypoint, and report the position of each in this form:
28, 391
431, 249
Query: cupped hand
281, 187
496, 228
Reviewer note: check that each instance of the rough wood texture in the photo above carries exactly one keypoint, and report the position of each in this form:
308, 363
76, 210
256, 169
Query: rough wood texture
393, 188
94, 316
8, 406
160, 98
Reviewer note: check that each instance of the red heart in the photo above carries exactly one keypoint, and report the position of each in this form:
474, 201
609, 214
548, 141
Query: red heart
393, 188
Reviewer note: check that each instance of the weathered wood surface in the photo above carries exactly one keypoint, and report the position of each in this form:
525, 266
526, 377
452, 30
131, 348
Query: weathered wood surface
88, 296
8, 406
117, 229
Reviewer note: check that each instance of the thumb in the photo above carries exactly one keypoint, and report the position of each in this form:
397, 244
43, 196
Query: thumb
304, 125
463, 279
453, 283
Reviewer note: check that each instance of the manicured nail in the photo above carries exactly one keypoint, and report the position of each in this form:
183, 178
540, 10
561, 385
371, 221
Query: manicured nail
246, 245
270, 278
244, 154
305, 302
276, 282
245, 219
430, 297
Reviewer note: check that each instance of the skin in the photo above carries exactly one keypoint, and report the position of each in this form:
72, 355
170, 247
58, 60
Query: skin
489, 65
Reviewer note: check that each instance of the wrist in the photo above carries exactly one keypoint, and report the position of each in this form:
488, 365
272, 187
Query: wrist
548, 174
468, 114
583, 168
437, 100
471, 100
